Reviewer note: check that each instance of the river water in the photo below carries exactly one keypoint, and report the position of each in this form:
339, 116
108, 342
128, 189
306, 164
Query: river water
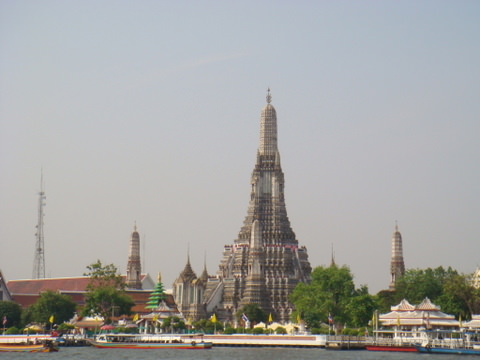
220, 353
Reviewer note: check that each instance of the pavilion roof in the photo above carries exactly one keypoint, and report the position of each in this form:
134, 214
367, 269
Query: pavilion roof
424, 314
474, 323
403, 306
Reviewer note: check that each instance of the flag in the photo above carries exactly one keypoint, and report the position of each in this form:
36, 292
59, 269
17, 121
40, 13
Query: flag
460, 321
270, 319
51, 319
298, 319
135, 318
213, 318
398, 320
244, 317
330, 318
4, 320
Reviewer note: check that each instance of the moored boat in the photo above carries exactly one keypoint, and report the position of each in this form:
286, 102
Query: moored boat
447, 350
250, 340
395, 348
157, 341
450, 342
15, 347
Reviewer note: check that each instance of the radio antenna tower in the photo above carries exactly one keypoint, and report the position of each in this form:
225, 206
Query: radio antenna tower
39, 261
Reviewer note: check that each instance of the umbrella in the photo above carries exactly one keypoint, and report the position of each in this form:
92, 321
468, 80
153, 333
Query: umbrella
34, 328
107, 327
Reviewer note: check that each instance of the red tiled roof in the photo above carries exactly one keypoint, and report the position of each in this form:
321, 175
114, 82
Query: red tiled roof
36, 286
26, 292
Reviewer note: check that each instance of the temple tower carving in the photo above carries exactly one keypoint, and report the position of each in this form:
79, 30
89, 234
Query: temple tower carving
397, 266
134, 268
265, 262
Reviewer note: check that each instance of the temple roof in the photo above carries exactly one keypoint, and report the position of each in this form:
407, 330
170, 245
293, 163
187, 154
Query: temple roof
187, 274
427, 305
36, 286
403, 306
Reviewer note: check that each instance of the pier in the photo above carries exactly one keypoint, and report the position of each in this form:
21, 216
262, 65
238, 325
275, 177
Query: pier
345, 342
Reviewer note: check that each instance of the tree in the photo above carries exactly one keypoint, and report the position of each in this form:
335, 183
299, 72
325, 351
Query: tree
417, 284
106, 292
253, 312
11, 312
173, 324
361, 307
52, 307
459, 297
209, 327
332, 292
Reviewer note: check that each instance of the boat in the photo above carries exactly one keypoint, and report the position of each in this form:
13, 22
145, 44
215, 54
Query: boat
16, 347
395, 341
450, 342
250, 340
395, 348
447, 350
153, 341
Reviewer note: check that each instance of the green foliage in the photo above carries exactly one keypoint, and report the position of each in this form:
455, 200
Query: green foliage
417, 284
13, 331
385, 299
332, 291
104, 276
360, 308
208, 327
50, 303
12, 311
126, 330
106, 292
445, 287
257, 331
173, 324
281, 331
320, 330
254, 313
229, 330
65, 327
27, 316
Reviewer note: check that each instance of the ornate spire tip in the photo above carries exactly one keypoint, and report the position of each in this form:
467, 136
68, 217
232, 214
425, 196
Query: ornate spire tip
269, 96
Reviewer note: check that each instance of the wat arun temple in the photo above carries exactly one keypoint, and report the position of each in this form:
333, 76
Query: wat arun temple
265, 262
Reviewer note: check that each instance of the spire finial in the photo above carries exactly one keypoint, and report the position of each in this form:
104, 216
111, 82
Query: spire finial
269, 96
159, 277
332, 262
396, 226
135, 226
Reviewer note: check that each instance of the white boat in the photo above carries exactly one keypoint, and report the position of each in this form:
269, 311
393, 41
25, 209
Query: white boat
154, 341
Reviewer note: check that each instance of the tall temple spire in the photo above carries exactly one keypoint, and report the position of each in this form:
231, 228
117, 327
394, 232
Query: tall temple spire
268, 129
134, 267
397, 266
332, 261
265, 263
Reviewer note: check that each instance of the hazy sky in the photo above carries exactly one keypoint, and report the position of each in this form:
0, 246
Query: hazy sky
149, 111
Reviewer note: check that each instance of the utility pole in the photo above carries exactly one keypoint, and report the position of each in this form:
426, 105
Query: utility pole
39, 261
